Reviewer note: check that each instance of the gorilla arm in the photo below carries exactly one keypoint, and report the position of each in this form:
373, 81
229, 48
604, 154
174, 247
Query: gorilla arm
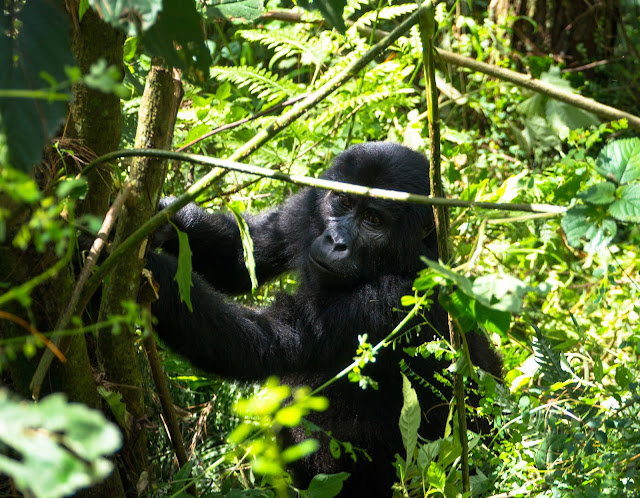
301, 335
219, 336
216, 244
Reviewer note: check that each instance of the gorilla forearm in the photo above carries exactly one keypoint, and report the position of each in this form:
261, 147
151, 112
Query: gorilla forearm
216, 245
220, 336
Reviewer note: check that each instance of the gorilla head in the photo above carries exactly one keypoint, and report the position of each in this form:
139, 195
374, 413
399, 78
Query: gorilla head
363, 237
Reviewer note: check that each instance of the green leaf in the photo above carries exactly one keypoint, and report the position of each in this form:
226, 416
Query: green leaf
331, 10
627, 207
34, 61
501, 292
245, 10
179, 25
583, 225
300, 450
600, 193
459, 280
619, 161
326, 485
409, 418
436, 476
493, 320
57, 447
247, 245
73, 188
185, 267
334, 447
564, 117
289, 416
130, 16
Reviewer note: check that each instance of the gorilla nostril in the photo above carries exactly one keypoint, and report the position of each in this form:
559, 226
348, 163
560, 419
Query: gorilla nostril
340, 247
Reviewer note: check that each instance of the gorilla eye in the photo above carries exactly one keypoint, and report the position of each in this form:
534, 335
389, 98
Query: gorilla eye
344, 200
373, 218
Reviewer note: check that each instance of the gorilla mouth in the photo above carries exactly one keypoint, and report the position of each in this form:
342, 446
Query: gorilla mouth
325, 269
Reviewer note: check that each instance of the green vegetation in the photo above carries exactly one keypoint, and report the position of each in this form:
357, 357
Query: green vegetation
559, 294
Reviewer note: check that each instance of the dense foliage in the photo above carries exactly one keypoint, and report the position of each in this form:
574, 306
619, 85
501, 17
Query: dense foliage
558, 295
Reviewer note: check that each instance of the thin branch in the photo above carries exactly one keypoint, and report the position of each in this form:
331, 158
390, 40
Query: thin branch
199, 187
32, 330
240, 122
427, 24
92, 258
577, 100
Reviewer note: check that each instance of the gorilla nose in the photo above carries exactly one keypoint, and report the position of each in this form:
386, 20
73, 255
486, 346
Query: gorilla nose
336, 242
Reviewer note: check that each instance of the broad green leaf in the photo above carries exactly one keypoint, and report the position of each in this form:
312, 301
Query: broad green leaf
619, 161
500, 292
20, 186
74, 188
185, 267
564, 117
427, 453
131, 16
179, 25
461, 281
289, 416
409, 418
34, 61
493, 320
57, 447
600, 193
334, 447
245, 10
116, 404
326, 485
537, 131
627, 207
436, 476
461, 307
583, 225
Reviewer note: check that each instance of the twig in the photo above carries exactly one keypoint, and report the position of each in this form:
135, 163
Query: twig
92, 258
240, 122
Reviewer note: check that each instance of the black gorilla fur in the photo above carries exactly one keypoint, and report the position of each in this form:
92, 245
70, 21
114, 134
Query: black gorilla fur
356, 258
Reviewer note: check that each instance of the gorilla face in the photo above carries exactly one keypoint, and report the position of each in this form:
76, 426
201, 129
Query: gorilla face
356, 234
361, 238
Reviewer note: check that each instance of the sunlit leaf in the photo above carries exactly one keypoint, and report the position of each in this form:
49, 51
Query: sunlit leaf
619, 161
409, 418
185, 267
627, 207
600, 193
326, 485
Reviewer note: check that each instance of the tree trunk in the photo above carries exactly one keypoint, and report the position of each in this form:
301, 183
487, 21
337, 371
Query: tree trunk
118, 352
576, 31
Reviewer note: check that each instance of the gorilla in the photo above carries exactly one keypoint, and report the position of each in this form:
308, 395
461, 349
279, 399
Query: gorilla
355, 257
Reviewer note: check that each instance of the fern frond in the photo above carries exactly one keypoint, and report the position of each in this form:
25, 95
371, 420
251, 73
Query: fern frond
284, 42
260, 82
386, 14
289, 42
553, 364
362, 100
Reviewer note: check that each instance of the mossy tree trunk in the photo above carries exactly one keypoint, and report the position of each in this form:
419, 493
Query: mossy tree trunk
118, 353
